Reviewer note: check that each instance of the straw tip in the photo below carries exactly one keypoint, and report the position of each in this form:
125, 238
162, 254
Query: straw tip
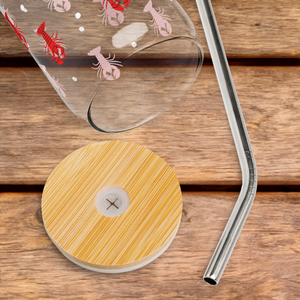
210, 281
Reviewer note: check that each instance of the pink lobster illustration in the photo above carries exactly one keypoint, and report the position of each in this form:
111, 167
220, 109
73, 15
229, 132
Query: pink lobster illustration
13, 23
106, 65
59, 5
59, 87
113, 16
160, 24
53, 45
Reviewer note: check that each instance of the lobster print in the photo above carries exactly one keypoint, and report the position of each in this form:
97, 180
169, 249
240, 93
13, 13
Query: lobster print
118, 5
160, 23
53, 45
59, 5
13, 23
113, 16
107, 66
58, 86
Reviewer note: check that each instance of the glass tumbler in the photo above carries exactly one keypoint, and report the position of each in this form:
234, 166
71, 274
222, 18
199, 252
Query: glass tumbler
117, 64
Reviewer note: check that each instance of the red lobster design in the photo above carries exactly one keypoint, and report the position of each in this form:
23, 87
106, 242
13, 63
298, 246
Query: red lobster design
13, 23
53, 45
118, 5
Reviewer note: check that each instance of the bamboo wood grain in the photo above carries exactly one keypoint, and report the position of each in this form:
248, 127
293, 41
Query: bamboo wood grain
147, 226
37, 130
264, 265
248, 28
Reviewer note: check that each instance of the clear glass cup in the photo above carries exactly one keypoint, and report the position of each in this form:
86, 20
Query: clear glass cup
117, 64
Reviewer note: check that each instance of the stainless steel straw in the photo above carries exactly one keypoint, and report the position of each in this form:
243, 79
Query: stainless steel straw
244, 202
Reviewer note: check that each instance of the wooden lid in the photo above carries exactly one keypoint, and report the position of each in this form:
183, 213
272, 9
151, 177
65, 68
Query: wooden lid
104, 243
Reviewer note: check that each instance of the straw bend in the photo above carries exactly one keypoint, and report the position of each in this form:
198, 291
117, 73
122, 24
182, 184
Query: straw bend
244, 202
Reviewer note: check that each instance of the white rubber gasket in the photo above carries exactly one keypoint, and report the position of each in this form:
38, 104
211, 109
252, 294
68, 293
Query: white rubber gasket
112, 201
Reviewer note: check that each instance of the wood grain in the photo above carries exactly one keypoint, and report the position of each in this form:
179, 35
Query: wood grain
37, 130
248, 28
265, 263
144, 229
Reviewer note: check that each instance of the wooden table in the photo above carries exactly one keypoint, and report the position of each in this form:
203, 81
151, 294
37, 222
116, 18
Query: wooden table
37, 131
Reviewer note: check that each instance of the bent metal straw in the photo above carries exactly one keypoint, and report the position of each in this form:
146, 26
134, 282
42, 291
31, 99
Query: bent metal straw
244, 202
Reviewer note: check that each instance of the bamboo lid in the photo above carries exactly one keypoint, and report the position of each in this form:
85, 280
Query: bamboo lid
112, 206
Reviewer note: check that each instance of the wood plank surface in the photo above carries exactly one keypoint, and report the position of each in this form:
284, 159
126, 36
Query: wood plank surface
248, 28
265, 263
37, 130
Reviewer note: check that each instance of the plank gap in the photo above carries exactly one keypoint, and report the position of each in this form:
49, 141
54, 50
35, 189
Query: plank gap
35, 188
28, 62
